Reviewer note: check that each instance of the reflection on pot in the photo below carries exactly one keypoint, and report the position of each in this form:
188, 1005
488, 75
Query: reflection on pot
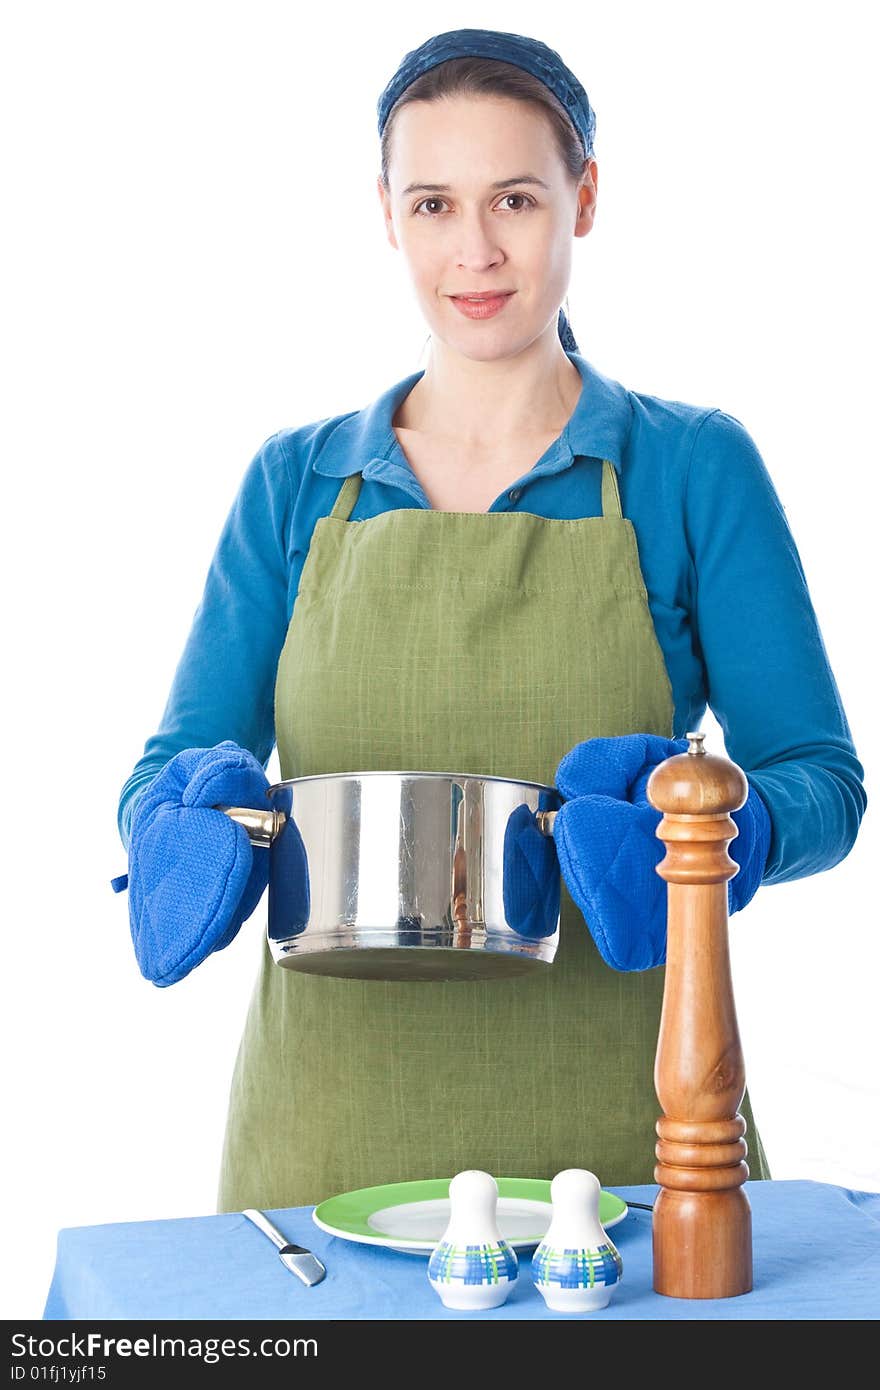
289, 896
531, 879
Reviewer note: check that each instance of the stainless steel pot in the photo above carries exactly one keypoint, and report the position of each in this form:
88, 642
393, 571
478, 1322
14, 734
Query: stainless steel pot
409, 875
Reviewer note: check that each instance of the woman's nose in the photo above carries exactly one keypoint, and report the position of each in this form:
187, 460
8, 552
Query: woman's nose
478, 243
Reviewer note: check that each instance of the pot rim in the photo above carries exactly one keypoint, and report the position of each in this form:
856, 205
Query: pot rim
379, 772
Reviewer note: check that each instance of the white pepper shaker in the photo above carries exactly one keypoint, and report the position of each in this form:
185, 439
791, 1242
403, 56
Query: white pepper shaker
473, 1266
576, 1267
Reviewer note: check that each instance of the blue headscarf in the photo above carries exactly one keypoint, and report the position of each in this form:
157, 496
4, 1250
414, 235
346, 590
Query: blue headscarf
531, 55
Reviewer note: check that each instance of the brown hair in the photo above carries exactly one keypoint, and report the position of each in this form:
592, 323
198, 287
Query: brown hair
491, 77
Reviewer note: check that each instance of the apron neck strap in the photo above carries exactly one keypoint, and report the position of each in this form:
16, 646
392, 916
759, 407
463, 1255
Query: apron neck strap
610, 494
350, 491
348, 495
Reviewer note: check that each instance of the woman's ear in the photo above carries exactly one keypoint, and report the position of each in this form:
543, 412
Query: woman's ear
386, 211
586, 195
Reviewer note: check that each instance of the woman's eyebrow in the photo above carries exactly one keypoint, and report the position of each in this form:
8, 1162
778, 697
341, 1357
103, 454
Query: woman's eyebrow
445, 187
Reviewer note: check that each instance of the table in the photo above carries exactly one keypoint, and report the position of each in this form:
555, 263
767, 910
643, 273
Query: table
816, 1256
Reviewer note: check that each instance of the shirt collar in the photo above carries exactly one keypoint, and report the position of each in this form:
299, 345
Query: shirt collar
365, 441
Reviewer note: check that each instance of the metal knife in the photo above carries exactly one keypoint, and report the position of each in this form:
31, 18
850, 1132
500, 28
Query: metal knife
296, 1258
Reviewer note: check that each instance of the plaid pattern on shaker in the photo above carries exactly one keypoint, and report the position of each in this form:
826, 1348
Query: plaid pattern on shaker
576, 1269
472, 1264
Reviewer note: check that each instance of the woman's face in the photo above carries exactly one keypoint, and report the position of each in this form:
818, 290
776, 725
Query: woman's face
468, 234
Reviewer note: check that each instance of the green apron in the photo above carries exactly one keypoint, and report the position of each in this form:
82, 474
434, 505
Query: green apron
478, 642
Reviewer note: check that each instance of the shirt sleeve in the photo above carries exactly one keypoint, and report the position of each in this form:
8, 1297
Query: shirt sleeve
224, 684
769, 681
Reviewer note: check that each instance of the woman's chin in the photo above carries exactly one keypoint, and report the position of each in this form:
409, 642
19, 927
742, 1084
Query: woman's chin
489, 345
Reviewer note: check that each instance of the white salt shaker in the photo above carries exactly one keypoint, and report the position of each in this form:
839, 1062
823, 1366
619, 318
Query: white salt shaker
576, 1267
473, 1266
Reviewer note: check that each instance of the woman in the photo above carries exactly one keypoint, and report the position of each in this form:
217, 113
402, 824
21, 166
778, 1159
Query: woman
610, 563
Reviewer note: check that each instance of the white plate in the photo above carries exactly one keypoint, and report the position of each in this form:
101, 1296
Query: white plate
411, 1217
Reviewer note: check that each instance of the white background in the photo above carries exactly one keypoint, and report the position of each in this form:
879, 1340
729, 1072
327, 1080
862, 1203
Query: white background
194, 259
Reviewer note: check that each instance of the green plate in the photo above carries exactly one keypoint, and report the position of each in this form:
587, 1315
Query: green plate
412, 1216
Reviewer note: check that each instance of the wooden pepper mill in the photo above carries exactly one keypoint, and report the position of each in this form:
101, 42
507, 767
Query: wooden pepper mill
702, 1222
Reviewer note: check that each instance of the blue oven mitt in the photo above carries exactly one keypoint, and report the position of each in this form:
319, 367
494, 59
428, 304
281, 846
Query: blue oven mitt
193, 875
605, 834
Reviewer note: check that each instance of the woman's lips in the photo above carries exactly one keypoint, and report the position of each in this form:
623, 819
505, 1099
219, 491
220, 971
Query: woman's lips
481, 308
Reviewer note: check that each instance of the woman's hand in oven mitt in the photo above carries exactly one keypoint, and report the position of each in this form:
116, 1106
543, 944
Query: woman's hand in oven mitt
193, 875
606, 840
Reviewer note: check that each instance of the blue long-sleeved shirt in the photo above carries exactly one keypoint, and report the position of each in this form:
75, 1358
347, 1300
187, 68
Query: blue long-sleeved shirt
726, 590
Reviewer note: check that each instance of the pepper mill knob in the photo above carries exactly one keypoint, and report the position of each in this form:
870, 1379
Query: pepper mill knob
697, 783
702, 1218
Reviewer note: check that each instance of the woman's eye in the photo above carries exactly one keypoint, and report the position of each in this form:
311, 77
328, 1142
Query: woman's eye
431, 203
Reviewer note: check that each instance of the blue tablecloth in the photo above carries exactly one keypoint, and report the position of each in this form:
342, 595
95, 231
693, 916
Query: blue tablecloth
816, 1254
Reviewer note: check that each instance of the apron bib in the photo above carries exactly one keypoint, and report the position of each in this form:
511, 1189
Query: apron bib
488, 643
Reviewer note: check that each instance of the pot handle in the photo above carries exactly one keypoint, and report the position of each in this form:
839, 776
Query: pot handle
262, 826
544, 821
